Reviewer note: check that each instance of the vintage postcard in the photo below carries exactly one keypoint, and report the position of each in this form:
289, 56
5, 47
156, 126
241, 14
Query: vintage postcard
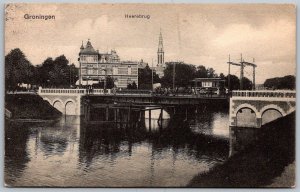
150, 95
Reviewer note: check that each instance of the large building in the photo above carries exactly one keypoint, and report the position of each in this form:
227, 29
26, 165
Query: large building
95, 66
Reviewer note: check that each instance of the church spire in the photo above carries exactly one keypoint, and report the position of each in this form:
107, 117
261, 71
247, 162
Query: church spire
160, 51
160, 43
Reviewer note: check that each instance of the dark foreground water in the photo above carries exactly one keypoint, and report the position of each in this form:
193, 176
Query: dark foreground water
266, 158
68, 152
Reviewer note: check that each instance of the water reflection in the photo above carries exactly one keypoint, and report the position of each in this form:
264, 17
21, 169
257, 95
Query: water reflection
71, 152
155, 123
210, 123
16, 156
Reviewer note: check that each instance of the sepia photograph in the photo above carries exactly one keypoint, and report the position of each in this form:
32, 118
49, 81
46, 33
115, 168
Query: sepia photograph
150, 95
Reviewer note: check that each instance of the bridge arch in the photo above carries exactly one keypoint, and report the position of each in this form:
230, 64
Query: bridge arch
270, 113
274, 107
70, 107
246, 105
59, 105
246, 115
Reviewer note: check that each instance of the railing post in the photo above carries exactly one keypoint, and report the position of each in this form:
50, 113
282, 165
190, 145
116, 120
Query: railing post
107, 113
115, 112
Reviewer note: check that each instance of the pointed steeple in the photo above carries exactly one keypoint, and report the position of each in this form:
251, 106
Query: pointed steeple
160, 43
82, 47
89, 44
160, 51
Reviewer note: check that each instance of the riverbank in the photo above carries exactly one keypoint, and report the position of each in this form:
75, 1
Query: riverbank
33, 107
262, 164
287, 178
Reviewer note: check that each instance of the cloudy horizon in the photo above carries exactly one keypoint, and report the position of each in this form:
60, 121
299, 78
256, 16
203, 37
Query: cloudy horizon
199, 34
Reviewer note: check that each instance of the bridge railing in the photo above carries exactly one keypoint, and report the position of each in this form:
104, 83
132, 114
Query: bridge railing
62, 91
73, 91
100, 91
21, 92
265, 93
133, 92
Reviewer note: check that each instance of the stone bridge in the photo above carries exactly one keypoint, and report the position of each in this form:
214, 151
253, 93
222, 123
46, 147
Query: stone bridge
256, 108
67, 101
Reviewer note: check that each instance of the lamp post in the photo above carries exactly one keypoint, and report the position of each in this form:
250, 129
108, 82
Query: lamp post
174, 65
105, 70
152, 75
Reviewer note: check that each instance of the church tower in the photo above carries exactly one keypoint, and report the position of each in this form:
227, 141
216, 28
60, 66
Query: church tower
160, 52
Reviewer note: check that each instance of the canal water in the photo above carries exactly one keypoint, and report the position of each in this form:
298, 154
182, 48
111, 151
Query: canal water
155, 153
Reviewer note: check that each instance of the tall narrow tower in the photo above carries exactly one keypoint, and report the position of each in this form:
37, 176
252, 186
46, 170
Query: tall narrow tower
160, 52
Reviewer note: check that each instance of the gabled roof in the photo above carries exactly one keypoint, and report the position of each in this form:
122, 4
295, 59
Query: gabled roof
88, 50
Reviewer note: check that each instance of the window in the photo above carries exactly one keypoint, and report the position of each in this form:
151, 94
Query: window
134, 71
115, 70
123, 71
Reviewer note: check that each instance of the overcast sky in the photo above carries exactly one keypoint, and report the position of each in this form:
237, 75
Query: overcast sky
196, 34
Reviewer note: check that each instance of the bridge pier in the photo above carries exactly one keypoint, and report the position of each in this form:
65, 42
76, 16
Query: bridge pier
258, 122
186, 114
129, 114
150, 119
115, 115
106, 113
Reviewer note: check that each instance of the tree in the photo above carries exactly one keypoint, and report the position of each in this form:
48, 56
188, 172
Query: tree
235, 83
17, 69
201, 72
134, 86
222, 76
222, 83
286, 82
109, 82
145, 78
129, 86
59, 76
74, 74
184, 73
43, 72
57, 72
211, 73
247, 84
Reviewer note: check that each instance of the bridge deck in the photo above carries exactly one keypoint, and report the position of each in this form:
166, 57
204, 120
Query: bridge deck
162, 96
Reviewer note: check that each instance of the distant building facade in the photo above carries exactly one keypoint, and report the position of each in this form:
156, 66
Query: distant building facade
95, 66
205, 85
208, 82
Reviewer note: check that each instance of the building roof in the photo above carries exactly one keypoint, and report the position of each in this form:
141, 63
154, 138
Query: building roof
88, 49
209, 79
